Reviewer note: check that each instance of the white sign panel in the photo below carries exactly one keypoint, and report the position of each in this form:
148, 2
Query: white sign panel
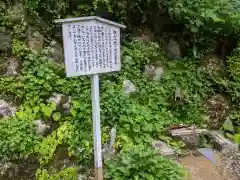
91, 47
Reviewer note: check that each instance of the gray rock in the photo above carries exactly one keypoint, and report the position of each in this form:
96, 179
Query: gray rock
67, 104
164, 149
113, 135
218, 109
156, 73
82, 177
129, 87
230, 161
143, 35
5, 42
25, 168
174, 50
213, 64
2, 65
4, 166
56, 98
12, 67
56, 52
63, 102
41, 127
108, 149
35, 40
220, 142
191, 141
149, 70
189, 135
7, 109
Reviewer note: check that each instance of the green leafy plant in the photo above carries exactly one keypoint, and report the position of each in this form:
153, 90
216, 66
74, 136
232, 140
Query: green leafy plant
214, 16
17, 138
142, 163
70, 173
234, 65
47, 147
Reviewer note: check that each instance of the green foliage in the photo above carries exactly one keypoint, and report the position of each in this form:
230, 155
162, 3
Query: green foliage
50, 143
206, 22
214, 17
235, 117
142, 163
17, 138
234, 65
237, 138
184, 74
139, 118
66, 174
12, 19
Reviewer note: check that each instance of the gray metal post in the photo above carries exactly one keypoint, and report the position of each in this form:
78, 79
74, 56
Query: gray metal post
96, 127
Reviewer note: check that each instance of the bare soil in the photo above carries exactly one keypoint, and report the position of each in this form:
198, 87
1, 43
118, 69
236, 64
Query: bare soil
200, 168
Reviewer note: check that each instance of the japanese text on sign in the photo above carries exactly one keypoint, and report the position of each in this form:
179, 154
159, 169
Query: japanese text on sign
91, 48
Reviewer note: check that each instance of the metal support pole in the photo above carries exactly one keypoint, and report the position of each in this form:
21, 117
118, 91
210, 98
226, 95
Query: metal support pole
96, 127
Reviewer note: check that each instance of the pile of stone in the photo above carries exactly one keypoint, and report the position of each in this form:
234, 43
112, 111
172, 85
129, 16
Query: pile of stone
230, 160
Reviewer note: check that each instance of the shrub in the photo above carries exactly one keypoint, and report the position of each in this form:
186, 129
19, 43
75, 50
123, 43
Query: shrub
142, 163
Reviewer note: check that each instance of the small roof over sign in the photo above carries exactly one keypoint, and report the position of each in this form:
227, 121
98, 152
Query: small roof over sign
90, 18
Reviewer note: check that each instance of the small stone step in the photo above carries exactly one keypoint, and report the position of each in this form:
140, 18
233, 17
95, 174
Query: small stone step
164, 149
186, 131
189, 135
220, 142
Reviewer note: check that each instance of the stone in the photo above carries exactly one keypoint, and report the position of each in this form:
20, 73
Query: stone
174, 50
5, 42
189, 135
129, 87
56, 52
230, 160
41, 127
61, 160
4, 167
35, 40
63, 103
56, 98
218, 110
156, 73
164, 149
143, 35
67, 104
109, 149
82, 177
149, 70
220, 142
213, 63
12, 66
7, 109
24, 168
2, 65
